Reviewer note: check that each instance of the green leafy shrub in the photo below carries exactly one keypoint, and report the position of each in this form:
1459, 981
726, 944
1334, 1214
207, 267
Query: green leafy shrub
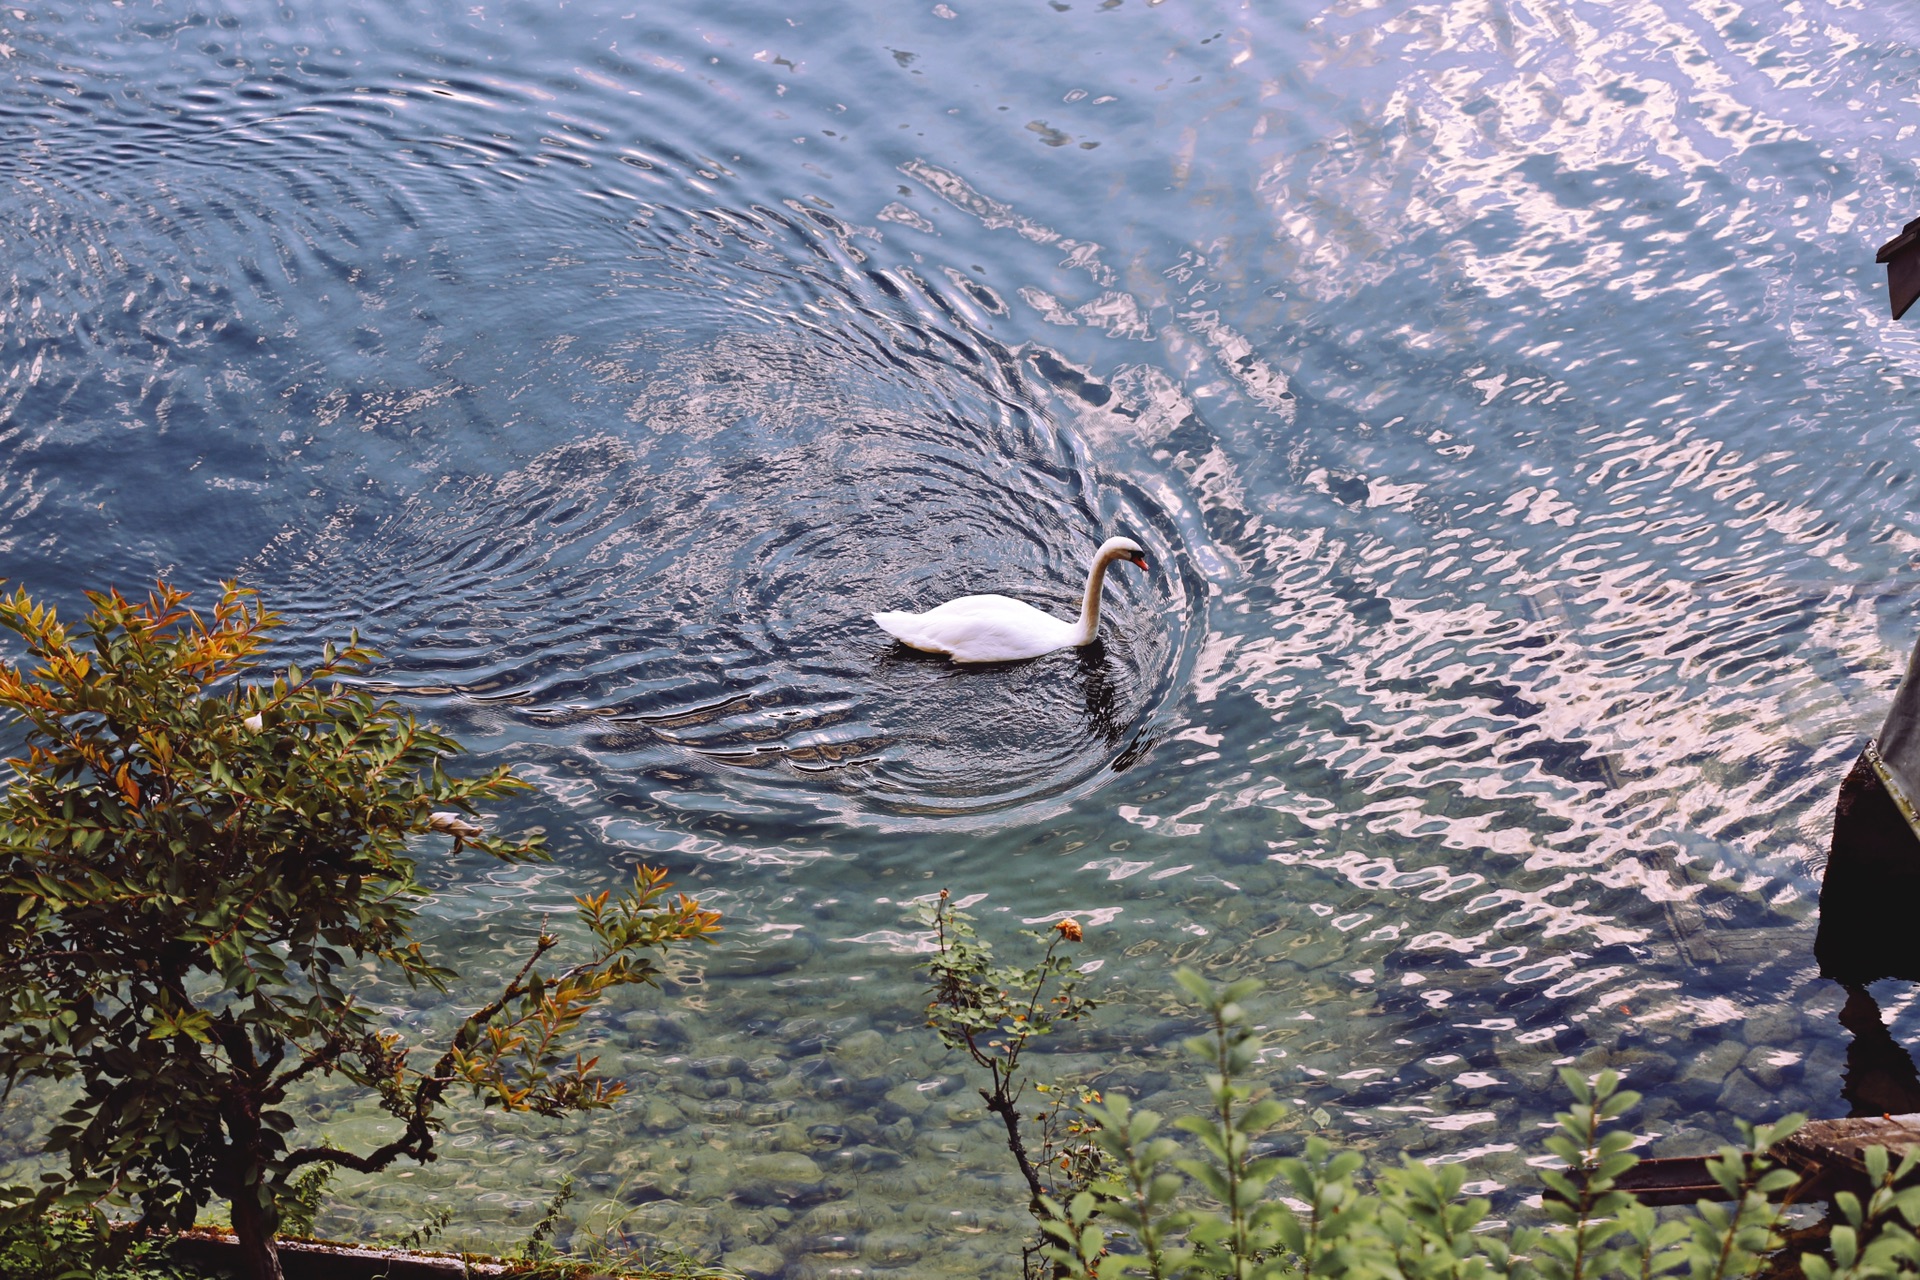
1314, 1214
194, 865
1227, 1203
71, 1246
300, 1199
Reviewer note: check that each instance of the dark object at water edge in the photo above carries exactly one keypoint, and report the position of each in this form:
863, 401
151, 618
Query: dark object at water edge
1871, 886
1870, 893
320, 1260
1902, 256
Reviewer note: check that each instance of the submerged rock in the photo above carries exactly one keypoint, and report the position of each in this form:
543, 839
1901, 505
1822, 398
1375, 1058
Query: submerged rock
655, 1031
760, 956
648, 1186
864, 1053
864, 1158
840, 1218
832, 1245
893, 1246
1744, 1097
910, 1097
661, 1116
781, 1177
830, 1136
1712, 1067
725, 1067
1760, 1064
756, 1262
1644, 1069
1782, 1026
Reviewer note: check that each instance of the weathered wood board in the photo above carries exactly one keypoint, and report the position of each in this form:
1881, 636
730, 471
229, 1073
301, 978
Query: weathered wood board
316, 1260
1829, 1155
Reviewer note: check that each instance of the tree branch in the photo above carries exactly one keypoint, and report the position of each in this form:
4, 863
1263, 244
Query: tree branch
1002, 1106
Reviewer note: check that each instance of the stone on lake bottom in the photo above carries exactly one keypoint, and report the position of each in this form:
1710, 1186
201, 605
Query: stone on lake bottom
756, 1262
1745, 1098
781, 1177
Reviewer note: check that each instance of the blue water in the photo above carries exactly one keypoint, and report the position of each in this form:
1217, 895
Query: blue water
1504, 394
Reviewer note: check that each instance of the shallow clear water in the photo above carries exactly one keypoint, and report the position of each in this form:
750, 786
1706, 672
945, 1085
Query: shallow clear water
1504, 395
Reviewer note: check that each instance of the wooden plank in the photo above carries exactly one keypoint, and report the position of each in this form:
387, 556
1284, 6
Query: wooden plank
1829, 1156
319, 1260
1832, 1153
1670, 1180
1902, 256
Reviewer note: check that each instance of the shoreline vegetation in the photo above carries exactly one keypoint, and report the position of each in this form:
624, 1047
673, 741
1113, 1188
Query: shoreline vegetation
196, 856
201, 865
1120, 1198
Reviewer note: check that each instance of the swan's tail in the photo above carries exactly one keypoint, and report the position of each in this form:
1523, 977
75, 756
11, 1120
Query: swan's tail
895, 622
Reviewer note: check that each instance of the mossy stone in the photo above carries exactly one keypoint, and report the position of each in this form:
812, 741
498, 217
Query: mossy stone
1759, 1063
756, 1262
1715, 1064
780, 1177
910, 1097
661, 1116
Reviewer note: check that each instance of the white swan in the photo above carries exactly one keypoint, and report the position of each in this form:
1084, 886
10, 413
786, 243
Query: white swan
994, 628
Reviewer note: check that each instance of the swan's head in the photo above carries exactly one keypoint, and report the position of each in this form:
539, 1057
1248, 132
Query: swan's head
1123, 549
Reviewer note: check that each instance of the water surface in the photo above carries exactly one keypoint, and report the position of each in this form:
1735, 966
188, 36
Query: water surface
1503, 392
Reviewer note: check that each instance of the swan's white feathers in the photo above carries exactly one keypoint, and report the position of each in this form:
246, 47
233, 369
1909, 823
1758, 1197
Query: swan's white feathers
984, 628
996, 628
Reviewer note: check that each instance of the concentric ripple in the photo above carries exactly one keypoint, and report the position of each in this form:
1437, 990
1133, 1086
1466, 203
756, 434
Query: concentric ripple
765, 445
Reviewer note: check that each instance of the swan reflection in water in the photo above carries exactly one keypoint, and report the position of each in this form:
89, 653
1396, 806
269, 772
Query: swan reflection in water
1107, 716
1102, 682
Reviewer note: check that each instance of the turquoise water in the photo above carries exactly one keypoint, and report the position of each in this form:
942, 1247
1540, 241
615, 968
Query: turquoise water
1504, 395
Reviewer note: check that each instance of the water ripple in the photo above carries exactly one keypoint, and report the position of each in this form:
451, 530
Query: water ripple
692, 583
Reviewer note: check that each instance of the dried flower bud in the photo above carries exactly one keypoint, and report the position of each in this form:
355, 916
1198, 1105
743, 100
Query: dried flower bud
1069, 929
454, 825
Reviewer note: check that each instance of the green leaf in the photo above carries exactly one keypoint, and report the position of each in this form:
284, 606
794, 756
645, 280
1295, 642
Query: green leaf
1196, 986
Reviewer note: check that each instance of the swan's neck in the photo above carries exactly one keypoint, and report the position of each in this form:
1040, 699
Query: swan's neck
1090, 605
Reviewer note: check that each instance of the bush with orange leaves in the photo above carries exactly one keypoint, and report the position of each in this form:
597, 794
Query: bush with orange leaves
195, 865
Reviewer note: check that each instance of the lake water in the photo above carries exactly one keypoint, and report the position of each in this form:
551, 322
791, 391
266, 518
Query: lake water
1504, 394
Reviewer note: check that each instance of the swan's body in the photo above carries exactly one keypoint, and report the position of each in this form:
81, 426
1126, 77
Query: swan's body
994, 628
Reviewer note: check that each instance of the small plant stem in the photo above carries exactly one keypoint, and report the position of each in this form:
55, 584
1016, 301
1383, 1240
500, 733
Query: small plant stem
1235, 1216
1312, 1242
1149, 1236
1003, 1106
1589, 1142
